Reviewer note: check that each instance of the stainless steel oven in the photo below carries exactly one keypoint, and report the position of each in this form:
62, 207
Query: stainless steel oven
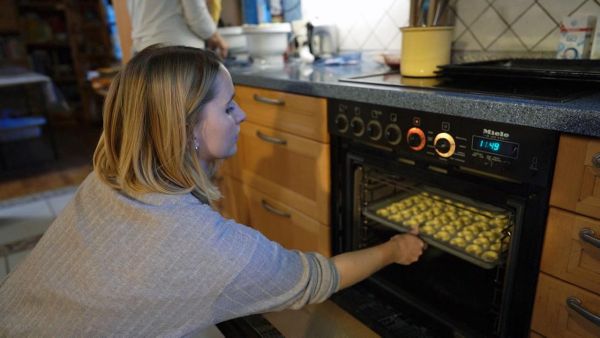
478, 192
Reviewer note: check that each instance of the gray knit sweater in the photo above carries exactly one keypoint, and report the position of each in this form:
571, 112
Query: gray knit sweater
152, 265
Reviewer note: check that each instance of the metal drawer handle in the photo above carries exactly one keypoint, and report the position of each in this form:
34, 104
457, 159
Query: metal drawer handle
596, 160
587, 235
268, 100
274, 210
270, 139
575, 305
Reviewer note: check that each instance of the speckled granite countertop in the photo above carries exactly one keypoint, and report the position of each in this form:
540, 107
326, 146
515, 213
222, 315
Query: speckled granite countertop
580, 116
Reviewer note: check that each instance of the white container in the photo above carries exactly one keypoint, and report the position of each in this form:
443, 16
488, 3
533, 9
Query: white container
267, 42
576, 34
235, 38
595, 53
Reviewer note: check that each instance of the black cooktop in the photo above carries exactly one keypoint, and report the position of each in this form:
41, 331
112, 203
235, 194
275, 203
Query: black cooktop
540, 79
560, 91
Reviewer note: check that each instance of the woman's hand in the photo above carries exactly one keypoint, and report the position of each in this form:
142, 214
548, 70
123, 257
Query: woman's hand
216, 43
407, 248
357, 265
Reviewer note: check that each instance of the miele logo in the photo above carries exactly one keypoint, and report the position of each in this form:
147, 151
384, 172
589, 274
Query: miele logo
496, 133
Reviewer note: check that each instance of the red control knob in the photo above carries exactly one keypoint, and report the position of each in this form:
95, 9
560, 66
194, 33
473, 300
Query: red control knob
415, 138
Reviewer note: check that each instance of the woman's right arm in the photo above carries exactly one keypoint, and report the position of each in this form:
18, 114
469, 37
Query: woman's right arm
355, 266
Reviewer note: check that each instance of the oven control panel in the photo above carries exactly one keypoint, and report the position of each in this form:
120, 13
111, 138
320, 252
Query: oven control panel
500, 149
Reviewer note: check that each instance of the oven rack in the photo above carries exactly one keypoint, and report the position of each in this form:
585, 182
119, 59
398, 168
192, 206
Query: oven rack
371, 213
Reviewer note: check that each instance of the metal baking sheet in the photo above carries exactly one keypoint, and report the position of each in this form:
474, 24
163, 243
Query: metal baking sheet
370, 213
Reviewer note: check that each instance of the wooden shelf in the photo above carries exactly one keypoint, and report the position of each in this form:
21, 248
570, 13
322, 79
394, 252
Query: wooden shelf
41, 6
92, 25
50, 44
8, 30
9, 23
64, 80
85, 42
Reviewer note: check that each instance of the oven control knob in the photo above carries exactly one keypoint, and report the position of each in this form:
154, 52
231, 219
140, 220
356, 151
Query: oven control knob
341, 122
393, 134
444, 144
415, 138
358, 126
374, 130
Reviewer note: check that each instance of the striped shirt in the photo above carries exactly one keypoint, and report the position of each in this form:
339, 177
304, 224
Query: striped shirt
152, 265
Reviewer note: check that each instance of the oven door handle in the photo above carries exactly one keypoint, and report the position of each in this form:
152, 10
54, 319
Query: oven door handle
587, 235
274, 210
575, 304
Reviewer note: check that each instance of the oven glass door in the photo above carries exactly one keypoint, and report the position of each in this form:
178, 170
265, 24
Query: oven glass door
459, 279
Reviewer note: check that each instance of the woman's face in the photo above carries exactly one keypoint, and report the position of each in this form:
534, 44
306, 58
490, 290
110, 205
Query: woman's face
217, 131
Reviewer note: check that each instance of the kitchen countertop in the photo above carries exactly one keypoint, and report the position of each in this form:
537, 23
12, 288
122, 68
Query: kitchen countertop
580, 116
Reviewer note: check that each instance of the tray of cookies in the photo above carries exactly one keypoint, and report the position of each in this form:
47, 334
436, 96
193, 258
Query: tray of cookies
468, 229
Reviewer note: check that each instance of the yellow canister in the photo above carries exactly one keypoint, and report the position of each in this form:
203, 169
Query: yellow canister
425, 48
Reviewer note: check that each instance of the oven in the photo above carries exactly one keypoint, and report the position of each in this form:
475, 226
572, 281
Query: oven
478, 192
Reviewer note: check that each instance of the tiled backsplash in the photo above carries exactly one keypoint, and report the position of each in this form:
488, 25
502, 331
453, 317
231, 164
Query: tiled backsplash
482, 27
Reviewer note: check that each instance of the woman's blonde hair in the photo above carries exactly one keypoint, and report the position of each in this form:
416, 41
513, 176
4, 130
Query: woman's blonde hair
149, 113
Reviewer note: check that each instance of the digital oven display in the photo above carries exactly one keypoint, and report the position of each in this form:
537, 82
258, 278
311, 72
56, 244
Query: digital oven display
496, 147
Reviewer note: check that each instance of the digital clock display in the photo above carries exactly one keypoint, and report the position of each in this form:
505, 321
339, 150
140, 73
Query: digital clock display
497, 147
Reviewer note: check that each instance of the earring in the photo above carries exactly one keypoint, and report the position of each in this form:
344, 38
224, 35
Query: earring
196, 146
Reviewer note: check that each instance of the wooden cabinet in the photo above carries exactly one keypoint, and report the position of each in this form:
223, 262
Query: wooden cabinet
576, 185
568, 294
124, 28
285, 225
300, 115
552, 317
291, 169
569, 252
283, 164
534, 334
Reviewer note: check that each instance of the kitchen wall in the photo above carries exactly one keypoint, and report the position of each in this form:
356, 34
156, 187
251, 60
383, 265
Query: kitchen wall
483, 28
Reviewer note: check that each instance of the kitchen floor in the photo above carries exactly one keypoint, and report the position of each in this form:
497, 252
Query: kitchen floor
35, 188
24, 219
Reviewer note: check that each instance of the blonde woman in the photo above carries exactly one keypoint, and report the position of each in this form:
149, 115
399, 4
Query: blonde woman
139, 251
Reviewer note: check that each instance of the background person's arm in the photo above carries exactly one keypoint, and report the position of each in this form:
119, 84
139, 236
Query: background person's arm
199, 20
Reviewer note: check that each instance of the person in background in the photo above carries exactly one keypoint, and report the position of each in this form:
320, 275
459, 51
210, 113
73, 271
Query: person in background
139, 251
176, 22
214, 8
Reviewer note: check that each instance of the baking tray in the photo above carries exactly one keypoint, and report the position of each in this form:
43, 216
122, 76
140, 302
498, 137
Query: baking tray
459, 203
546, 69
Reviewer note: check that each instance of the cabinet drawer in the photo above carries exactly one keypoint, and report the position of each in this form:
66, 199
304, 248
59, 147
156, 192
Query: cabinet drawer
569, 250
552, 317
287, 226
296, 114
576, 183
291, 169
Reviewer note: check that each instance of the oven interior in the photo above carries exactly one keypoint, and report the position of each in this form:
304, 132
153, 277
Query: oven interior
460, 278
